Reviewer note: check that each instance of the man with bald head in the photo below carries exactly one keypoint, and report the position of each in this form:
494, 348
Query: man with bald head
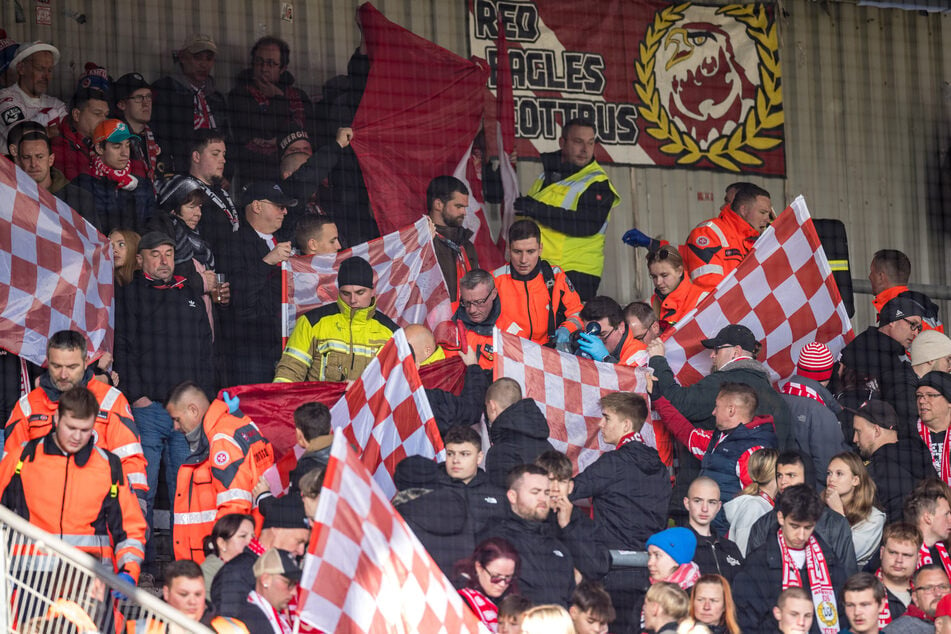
450, 410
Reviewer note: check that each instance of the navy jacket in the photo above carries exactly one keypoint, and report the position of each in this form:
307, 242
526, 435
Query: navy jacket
518, 435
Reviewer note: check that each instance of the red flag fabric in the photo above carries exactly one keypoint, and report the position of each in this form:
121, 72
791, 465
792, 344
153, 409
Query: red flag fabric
55, 271
782, 290
271, 405
469, 171
387, 415
568, 390
409, 285
505, 132
421, 108
365, 570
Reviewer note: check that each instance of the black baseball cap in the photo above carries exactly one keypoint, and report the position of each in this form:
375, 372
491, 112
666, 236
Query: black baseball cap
878, 413
154, 239
128, 84
269, 191
732, 335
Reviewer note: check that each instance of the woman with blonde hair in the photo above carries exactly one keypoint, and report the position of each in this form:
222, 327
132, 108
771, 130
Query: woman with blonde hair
547, 619
711, 603
850, 491
755, 500
674, 295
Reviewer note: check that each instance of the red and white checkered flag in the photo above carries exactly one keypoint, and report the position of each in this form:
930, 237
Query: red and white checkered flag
568, 390
365, 570
409, 285
387, 415
783, 291
55, 270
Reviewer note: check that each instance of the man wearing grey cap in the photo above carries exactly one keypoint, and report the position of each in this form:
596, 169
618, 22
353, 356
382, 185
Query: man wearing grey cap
874, 365
26, 100
187, 101
276, 575
251, 258
930, 352
934, 418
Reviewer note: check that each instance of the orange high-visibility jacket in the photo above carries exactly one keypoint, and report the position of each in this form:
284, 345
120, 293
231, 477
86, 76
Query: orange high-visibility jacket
32, 417
527, 300
217, 478
681, 301
716, 247
81, 498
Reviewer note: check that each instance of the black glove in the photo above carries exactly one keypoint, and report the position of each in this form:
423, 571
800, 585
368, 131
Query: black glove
527, 206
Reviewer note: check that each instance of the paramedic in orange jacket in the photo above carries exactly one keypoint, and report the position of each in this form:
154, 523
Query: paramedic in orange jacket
717, 246
32, 417
535, 295
673, 296
64, 484
228, 455
479, 312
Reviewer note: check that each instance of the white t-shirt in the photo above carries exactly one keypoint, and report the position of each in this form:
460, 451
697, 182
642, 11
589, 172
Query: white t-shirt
17, 106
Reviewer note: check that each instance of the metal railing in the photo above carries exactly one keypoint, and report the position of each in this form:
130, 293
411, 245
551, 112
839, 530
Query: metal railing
49, 587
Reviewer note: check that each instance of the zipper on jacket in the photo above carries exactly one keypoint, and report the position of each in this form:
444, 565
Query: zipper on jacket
528, 309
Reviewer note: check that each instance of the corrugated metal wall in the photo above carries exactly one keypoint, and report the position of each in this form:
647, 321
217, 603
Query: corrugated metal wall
866, 95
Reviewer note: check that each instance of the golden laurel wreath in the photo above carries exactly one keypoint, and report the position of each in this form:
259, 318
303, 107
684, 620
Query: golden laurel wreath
728, 151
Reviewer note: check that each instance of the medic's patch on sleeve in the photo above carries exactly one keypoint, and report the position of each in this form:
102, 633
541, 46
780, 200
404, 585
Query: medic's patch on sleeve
702, 241
221, 458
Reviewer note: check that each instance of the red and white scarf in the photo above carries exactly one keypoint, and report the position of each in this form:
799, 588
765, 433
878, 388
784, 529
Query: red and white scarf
820, 584
123, 178
279, 624
885, 616
685, 576
798, 389
943, 465
924, 557
482, 606
634, 436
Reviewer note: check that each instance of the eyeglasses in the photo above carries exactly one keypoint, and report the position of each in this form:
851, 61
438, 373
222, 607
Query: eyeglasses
267, 63
140, 99
506, 579
914, 325
926, 396
943, 588
475, 302
603, 335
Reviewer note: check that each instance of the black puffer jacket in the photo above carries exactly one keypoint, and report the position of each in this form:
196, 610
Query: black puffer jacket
895, 469
630, 491
440, 520
518, 436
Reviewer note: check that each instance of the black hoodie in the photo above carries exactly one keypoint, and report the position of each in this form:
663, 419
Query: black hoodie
518, 436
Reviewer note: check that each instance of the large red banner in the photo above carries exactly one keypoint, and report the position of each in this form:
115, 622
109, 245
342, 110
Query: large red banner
673, 85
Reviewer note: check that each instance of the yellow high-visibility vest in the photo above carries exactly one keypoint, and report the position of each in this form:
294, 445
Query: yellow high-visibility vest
584, 254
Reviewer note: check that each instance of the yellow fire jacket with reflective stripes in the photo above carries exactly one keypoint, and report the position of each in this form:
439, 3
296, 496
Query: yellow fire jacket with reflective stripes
217, 478
584, 254
333, 343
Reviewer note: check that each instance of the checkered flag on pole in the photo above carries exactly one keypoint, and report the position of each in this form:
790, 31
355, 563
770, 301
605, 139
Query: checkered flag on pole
365, 570
385, 413
783, 291
55, 270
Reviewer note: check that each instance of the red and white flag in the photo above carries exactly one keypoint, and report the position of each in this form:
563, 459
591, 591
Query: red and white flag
409, 285
365, 570
568, 390
55, 270
783, 291
386, 414
505, 133
469, 171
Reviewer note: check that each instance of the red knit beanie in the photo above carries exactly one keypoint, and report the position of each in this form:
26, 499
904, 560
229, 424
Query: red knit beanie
815, 362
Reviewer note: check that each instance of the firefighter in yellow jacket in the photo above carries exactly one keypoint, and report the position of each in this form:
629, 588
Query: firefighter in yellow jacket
337, 341
571, 201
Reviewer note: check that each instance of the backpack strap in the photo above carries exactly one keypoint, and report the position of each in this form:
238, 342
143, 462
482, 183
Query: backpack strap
549, 276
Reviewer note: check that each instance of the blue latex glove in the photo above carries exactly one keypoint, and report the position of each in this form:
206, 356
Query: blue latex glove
637, 238
233, 402
128, 579
592, 346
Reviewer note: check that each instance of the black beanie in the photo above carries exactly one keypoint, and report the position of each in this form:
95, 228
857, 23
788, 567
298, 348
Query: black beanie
355, 271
